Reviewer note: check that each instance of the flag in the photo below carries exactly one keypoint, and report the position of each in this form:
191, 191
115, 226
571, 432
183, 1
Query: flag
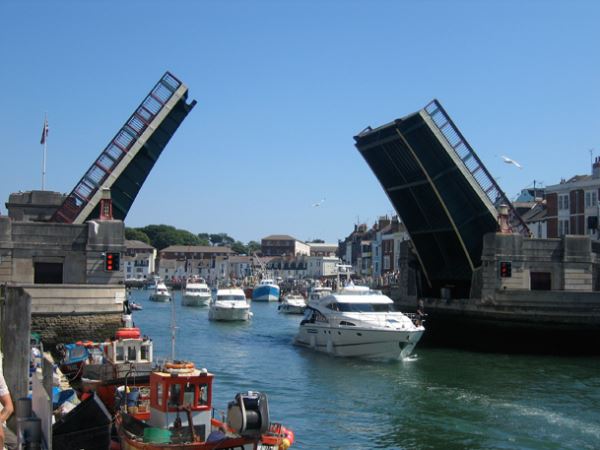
44, 132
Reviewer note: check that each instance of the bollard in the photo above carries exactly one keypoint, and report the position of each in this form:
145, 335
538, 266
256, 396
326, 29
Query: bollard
23, 408
32, 433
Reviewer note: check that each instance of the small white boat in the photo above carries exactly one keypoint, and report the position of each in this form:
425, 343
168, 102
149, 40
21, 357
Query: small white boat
229, 304
292, 304
196, 293
161, 293
359, 322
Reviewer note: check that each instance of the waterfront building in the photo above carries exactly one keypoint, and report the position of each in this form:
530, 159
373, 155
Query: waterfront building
192, 260
572, 205
138, 260
354, 248
391, 237
282, 244
322, 249
240, 266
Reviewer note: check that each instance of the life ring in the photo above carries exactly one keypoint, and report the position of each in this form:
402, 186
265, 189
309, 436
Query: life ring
179, 365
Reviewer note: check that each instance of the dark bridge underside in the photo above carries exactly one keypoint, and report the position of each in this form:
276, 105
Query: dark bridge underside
438, 202
127, 186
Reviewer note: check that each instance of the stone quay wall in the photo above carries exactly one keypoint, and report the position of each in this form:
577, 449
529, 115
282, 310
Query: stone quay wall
56, 328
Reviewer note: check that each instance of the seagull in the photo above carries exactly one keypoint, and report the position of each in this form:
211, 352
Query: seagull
508, 160
319, 203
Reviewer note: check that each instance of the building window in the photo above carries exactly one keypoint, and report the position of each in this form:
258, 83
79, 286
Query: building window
591, 199
563, 201
386, 262
563, 227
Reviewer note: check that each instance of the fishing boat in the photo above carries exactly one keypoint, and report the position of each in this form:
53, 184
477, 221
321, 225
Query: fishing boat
229, 304
161, 293
360, 322
266, 291
73, 356
182, 417
196, 293
292, 304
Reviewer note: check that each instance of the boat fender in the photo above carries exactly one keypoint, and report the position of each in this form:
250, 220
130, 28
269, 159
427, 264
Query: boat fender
288, 440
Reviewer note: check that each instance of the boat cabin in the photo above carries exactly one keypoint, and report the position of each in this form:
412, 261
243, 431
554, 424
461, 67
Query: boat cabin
180, 393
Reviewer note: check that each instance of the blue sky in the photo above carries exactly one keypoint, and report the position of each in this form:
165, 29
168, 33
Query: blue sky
282, 88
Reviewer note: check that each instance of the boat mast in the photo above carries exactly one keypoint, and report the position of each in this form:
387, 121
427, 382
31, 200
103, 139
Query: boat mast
173, 327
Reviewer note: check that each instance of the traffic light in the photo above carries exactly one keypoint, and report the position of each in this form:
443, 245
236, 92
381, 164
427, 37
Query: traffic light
505, 269
112, 262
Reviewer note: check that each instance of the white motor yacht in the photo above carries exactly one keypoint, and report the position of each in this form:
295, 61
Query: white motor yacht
161, 293
359, 322
292, 304
229, 304
196, 294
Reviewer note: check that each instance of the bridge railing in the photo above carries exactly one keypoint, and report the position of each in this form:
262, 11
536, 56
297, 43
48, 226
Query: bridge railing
118, 147
472, 163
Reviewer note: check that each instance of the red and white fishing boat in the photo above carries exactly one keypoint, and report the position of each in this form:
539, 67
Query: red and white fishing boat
181, 416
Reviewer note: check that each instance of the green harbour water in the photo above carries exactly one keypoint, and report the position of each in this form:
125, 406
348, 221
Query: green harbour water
441, 399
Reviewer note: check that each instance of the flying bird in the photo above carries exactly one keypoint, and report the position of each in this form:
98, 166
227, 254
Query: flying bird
508, 160
319, 203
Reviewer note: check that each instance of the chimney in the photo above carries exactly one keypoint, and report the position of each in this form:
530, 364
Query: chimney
106, 205
503, 222
596, 168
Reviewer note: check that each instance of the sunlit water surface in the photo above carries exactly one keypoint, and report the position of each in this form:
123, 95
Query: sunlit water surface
442, 399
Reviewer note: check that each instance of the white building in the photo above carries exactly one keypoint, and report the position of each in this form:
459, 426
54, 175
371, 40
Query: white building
138, 260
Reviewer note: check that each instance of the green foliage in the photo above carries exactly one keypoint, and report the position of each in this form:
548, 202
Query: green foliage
135, 234
239, 247
162, 236
252, 247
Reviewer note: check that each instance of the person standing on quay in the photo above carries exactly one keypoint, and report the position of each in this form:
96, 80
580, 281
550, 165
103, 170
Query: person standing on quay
7, 437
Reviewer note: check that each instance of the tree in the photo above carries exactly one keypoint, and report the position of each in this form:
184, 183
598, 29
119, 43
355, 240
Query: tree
252, 247
220, 239
135, 234
239, 247
162, 236
204, 238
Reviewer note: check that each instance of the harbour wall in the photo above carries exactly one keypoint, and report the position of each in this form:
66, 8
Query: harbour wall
517, 311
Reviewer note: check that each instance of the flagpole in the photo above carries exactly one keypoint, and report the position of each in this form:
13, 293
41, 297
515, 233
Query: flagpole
45, 148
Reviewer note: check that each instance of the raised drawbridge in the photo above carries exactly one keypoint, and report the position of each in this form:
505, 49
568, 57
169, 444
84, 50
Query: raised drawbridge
440, 188
129, 157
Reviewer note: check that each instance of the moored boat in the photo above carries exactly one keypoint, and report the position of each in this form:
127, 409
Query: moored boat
181, 416
161, 293
266, 291
292, 304
196, 293
360, 322
229, 304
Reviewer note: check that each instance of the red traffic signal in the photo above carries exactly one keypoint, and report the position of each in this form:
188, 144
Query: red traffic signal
505, 269
112, 262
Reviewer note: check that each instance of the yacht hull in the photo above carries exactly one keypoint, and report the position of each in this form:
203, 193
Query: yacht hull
195, 300
359, 342
286, 308
229, 314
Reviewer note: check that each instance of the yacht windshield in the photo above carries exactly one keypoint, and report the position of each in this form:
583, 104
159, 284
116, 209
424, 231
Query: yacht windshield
362, 307
231, 297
